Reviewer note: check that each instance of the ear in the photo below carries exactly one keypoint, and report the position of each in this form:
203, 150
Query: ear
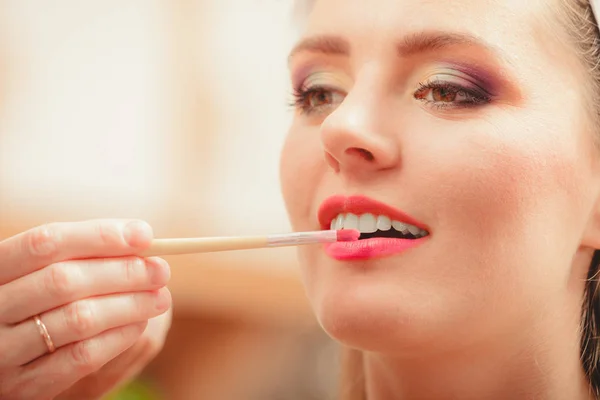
590, 242
591, 234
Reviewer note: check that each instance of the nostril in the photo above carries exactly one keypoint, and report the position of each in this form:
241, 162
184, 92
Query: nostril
365, 154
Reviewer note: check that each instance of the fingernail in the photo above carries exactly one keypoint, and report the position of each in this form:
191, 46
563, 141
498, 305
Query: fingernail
137, 233
163, 300
160, 272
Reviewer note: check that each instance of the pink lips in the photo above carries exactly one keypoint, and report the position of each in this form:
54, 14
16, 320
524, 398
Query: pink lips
366, 248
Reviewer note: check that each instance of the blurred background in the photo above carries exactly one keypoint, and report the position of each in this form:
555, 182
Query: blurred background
173, 111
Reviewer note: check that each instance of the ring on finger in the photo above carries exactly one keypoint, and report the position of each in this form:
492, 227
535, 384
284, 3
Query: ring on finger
44, 333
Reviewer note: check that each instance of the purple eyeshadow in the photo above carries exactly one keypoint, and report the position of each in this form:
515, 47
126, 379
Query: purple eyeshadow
480, 77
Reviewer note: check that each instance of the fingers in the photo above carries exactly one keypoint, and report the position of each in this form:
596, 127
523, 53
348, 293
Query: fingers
115, 373
48, 376
45, 245
68, 281
157, 330
126, 366
82, 320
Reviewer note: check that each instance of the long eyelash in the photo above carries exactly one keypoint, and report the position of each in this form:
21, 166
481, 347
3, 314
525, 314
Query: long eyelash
300, 95
479, 96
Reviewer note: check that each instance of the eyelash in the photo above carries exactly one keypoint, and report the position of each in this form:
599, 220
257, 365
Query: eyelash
474, 97
301, 96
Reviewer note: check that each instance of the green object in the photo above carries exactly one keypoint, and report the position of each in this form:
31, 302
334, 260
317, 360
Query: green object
136, 390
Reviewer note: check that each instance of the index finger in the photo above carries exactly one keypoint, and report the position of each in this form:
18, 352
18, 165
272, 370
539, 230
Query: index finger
48, 244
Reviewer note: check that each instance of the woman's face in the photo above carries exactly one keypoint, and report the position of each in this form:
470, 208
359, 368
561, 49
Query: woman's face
462, 120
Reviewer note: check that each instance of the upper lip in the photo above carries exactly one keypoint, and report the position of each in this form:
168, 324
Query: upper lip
339, 204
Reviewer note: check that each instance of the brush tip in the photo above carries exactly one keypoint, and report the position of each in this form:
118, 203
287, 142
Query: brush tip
347, 235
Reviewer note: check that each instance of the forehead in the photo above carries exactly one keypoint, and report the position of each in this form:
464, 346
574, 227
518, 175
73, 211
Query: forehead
519, 27
420, 12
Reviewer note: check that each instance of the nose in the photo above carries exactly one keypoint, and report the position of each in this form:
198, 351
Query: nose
356, 141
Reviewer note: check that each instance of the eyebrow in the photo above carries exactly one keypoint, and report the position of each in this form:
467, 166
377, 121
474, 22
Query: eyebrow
325, 44
416, 43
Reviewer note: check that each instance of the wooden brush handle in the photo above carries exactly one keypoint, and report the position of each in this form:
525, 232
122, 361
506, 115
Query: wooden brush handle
166, 247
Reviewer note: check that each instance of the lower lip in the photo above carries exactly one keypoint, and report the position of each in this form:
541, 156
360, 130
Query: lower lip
370, 248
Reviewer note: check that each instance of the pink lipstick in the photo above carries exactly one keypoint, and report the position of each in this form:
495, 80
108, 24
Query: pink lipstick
385, 230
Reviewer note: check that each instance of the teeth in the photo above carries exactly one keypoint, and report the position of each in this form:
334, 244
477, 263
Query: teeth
400, 226
369, 223
350, 221
338, 223
414, 230
384, 223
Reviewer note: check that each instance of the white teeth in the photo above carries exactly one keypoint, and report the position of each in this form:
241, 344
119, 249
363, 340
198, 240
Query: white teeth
339, 222
350, 221
414, 230
370, 223
367, 223
400, 226
384, 223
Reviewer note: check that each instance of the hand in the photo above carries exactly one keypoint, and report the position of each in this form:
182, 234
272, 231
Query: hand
126, 366
92, 294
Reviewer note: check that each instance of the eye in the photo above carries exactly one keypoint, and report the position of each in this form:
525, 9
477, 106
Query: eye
447, 94
317, 99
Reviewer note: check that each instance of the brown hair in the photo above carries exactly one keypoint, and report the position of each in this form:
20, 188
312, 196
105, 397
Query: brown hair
578, 20
582, 28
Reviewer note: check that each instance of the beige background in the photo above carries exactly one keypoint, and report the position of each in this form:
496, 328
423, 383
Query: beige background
171, 111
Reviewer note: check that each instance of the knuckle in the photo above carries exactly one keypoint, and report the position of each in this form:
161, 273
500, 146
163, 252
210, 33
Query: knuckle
134, 268
83, 357
43, 241
60, 281
139, 304
108, 233
79, 317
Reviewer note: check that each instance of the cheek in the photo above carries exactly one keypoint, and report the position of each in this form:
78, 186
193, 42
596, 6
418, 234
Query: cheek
302, 174
509, 207
301, 168
507, 185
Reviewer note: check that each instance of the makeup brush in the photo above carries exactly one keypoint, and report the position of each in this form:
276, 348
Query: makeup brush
166, 247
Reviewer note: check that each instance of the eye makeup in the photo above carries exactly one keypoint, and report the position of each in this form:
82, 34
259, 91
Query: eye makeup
446, 86
325, 78
479, 74
320, 92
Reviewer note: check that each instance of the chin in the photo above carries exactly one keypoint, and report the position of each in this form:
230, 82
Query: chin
367, 319
370, 315
349, 317
360, 318
379, 308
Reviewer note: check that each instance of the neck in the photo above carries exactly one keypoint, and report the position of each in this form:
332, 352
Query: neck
539, 361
